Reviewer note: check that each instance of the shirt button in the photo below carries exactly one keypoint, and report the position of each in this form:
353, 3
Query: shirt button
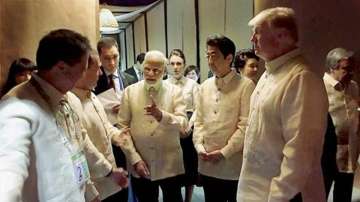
152, 134
215, 112
151, 121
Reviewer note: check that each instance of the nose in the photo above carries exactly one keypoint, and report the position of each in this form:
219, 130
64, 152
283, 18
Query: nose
252, 38
99, 72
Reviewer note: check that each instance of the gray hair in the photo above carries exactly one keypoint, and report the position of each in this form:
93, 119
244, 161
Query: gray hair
155, 56
278, 17
335, 55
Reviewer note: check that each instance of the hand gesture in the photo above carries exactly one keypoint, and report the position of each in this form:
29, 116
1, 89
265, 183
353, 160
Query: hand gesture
215, 156
120, 177
142, 169
153, 110
115, 109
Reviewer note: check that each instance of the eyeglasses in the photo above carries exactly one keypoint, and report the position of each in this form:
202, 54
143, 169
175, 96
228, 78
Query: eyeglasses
155, 71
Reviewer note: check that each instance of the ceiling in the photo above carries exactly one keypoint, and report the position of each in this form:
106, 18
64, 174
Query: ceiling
127, 2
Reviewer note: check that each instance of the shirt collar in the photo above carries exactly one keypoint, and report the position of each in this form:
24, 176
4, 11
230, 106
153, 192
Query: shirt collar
54, 96
274, 64
333, 82
115, 73
221, 82
82, 93
175, 81
227, 78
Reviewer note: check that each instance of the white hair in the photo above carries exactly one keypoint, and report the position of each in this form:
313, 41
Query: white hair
155, 56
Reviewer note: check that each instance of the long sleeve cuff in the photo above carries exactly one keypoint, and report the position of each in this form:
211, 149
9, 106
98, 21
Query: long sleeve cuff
200, 148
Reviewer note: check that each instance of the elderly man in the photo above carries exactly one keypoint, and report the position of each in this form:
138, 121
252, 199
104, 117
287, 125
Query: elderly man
155, 110
219, 130
101, 132
343, 94
43, 144
287, 121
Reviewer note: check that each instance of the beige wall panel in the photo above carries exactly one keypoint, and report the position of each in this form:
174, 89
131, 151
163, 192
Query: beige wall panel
181, 28
211, 20
129, 46
156, 28
323, 25
175, 13
24, 22
139, 31
238, 13
189, 32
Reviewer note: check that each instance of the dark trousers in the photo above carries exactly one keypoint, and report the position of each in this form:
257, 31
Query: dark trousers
120, 196
120, 160
343, 186
148, 191
219, 190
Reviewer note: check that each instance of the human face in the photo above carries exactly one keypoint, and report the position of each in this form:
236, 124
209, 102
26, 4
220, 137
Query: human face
218, 64
265, 42
192, 75
153, 71
72, 73
109, 58
343, 72
23, 76
177, 63
250, 69
89, 81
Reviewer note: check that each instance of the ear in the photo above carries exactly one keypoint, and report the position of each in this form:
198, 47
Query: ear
60, 65
229, 58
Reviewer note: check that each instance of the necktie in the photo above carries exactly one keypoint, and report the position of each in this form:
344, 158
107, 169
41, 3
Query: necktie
111, 81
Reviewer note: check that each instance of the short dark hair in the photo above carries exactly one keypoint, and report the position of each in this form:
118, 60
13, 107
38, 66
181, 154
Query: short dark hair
242, 56
61, 45
223, 43
179, 53
106, 42
140, 57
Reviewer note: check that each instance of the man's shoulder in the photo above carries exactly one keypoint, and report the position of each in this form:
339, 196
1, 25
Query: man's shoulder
130, 70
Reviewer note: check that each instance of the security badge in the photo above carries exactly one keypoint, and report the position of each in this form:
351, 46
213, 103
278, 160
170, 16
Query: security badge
81, 169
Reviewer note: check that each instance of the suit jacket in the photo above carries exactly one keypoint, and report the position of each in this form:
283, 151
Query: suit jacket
35, 164
156, 143
103, 82
132, 72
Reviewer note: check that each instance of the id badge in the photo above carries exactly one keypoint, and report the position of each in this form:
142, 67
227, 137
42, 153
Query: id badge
81, 169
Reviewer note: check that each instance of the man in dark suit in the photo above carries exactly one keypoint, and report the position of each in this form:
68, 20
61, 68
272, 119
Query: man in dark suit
136, 70
112, 77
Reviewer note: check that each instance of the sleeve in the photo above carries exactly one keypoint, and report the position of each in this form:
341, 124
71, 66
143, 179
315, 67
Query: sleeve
195, 93
99, 166
91, 192
124, 119
199, 130
178, 119
236, 141
303, 113
15, 137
